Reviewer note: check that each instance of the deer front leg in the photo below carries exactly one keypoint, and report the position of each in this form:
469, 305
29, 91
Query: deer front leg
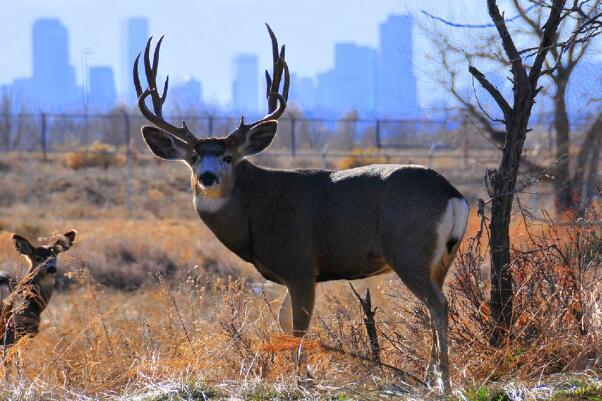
285, 319
285, 315
300, 301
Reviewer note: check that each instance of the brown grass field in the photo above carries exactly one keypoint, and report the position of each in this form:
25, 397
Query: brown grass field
152, 307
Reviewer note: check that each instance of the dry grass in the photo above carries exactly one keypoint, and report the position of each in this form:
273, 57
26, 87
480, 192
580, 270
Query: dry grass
51, 189
155, 308
195, 326
97, 154
362, 157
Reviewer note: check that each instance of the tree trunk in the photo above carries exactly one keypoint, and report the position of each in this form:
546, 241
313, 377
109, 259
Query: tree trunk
586, 167
502, 183
563, 190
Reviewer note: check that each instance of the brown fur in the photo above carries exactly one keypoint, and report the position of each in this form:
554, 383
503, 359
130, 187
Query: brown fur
300, 227
21, 310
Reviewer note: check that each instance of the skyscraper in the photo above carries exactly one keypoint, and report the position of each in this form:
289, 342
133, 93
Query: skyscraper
350, 85
327, 83
355, 69
53, 85
245, 86
397, 92
136, 35
188, 93
102, 94
303, 92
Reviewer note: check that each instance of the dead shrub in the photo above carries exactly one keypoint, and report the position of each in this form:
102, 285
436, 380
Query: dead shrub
97, 154
128, 264
556, 273
189, 320
362, 157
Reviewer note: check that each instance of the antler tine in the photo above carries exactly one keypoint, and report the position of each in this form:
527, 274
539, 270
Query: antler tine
268, 84
151, 75
273, 83
274, 42
276, 101
165, 87
287, 79
137, 84
156, 118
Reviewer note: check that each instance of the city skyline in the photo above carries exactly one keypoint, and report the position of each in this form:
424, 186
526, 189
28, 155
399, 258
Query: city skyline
350, 85
187, 73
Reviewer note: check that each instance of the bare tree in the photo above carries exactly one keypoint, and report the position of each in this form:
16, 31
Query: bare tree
572, 177
501, 182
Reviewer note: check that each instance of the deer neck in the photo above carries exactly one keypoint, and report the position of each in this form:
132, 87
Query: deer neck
43, 285
230, 219
46, 286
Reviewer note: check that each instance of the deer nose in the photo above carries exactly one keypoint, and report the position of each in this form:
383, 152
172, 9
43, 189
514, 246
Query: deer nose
208, 179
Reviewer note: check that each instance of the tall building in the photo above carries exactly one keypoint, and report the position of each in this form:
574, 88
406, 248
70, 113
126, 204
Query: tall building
351, 84
187, 94
355, 67
102, 93
52, 86
326, 86
245, 86
136, 35
397, 92
303, 92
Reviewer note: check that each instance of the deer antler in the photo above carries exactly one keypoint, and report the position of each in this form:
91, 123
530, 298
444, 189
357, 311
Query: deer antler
276, 101
156, 118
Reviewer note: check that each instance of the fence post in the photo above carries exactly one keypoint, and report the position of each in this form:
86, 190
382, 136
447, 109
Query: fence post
128, 157
29, 177
210, 123
377, 134
293, 137
431, 155
43, 139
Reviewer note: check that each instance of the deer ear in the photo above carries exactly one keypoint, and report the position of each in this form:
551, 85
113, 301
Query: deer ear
165, 145
65, 242
23, 245
259, 138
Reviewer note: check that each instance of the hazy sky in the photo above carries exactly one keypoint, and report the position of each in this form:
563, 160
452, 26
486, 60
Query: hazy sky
202, 36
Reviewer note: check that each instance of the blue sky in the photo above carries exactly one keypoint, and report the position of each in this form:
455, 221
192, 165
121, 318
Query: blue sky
202, 36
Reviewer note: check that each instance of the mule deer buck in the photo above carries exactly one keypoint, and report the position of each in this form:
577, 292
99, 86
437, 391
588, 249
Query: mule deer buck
302, 227
29, 296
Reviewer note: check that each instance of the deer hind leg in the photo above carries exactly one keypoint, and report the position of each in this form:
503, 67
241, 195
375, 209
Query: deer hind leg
438, 274
414, 265
450, 231
437, 306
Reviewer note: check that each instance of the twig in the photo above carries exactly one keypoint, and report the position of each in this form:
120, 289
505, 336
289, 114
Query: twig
365, 358
175, 305
366, 304
472, 26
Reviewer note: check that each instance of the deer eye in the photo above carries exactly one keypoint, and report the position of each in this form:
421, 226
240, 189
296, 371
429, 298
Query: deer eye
227, 159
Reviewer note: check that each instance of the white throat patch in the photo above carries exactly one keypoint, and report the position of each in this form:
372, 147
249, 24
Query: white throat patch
208, 205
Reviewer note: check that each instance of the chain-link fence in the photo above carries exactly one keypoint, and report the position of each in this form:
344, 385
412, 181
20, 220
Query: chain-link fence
48, 133
42, 132
457, 148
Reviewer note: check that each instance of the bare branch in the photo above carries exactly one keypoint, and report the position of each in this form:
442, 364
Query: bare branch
478, 26
518, 71
493, 91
